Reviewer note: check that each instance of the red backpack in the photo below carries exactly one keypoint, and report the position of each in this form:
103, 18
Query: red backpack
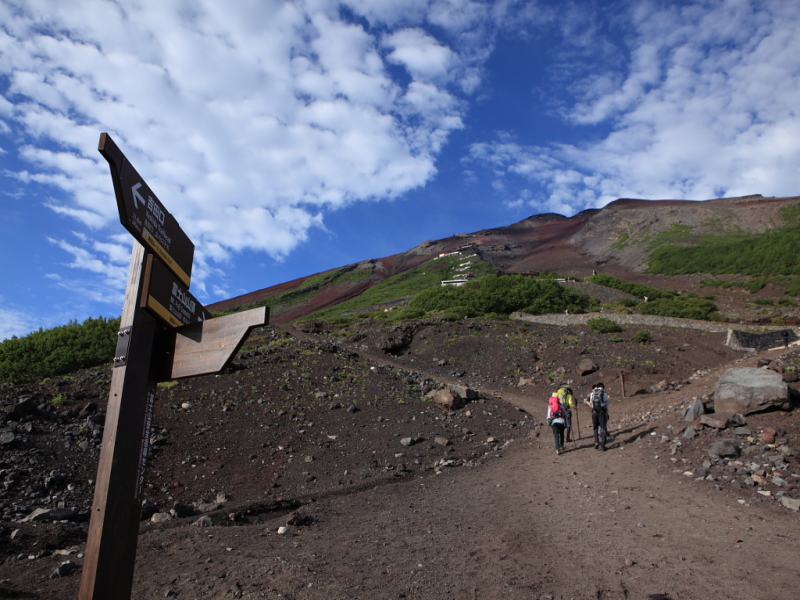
555, 408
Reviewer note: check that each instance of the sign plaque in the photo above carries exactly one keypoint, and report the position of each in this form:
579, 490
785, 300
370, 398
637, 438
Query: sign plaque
168, 299
143, 215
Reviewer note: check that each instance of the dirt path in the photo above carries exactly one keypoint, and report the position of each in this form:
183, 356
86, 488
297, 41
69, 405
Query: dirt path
528, 524
524, 524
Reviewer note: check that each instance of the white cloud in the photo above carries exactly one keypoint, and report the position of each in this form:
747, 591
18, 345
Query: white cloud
248, 120
707, 108
421, 54
15, 323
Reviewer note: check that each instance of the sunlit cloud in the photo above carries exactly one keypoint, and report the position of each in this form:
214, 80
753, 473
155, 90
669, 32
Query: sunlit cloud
706, 107
249, 123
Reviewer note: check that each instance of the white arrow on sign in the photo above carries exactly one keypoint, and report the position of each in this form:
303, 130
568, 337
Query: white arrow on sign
137, 196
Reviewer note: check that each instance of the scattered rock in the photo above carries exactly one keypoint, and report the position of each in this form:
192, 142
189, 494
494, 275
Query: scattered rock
768, 435
724, 448
181, 510
64, 569
718, 420
149, 508
51, 514
464, 392
161, 517
694, 411
204, 521
790, 503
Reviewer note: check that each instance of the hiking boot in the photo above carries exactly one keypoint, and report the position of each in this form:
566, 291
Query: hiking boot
597, 446
603, 448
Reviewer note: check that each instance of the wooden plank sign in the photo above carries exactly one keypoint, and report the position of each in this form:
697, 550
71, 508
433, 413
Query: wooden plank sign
209, 346
143, 215
167, 298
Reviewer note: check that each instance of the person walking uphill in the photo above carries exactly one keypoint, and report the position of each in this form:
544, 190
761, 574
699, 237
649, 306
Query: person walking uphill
556, 418
565, 396
598, 402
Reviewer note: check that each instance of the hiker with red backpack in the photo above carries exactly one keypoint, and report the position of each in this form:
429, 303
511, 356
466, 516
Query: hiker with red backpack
598, 402
557, 419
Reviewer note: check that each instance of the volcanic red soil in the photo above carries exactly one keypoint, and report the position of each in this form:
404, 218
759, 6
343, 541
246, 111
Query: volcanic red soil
385, 495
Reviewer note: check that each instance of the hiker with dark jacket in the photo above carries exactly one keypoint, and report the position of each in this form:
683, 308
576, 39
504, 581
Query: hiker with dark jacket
556, 418
598, 402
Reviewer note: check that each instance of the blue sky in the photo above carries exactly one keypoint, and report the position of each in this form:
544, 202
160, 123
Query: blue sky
293, 137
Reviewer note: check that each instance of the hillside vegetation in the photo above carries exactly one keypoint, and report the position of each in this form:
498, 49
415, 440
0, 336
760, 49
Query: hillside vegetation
57, 351
776, 252
662, 303
408, 284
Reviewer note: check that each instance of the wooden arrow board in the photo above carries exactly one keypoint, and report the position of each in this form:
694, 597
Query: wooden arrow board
167, 298
141, 213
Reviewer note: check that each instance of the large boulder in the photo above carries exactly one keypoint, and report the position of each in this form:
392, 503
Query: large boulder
446, 399
465, 392
586, 367
749, 390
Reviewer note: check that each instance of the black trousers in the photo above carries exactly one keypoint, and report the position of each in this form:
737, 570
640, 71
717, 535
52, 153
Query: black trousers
599, 418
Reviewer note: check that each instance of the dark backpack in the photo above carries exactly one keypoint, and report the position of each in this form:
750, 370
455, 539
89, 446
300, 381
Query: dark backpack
596, 399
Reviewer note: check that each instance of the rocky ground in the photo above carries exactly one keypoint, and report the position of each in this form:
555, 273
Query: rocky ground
384, 495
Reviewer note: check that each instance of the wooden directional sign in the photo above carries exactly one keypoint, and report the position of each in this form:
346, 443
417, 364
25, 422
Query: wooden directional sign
192, 344
141, 213
167, 298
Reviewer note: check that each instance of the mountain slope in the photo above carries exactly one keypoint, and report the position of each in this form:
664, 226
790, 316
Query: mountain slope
617, 239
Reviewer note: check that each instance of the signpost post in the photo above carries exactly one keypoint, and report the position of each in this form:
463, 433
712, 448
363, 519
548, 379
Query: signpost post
165, 333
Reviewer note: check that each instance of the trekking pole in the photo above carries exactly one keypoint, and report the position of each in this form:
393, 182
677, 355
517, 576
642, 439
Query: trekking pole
577, 422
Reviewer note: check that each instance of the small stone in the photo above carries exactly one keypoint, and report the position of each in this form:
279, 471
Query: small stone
283, 530
64, 569
204, 521
689, 433
724, 448
442, 441
790, 503
181, 510
768, 435
161, 517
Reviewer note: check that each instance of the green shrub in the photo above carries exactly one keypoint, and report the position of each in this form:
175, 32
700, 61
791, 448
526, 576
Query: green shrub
763, 301
642, 337
59, 400
634, 289
681, 307
57, 351
503, 294
603, 325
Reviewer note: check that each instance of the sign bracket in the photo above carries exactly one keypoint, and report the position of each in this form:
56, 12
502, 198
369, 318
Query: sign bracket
123, 341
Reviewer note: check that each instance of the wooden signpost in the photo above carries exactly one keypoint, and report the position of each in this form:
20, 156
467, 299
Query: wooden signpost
165, 333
